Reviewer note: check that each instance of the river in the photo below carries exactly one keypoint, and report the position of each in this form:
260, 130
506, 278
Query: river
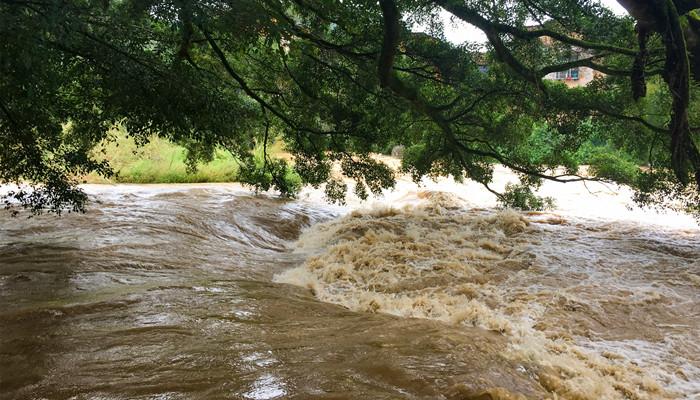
208, 292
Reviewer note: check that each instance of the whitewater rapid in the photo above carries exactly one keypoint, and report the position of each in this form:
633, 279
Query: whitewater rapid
597, 299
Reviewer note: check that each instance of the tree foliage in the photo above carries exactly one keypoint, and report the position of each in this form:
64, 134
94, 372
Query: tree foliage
337, 80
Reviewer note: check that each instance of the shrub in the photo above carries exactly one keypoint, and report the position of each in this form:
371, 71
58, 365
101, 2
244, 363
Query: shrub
521, 197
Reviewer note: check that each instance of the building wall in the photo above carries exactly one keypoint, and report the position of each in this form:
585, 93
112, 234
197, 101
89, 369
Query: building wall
585, 76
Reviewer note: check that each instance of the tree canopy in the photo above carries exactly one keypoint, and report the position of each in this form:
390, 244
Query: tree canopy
337, 80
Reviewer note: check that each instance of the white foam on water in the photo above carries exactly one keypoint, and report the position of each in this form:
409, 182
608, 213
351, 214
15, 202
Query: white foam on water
434, 252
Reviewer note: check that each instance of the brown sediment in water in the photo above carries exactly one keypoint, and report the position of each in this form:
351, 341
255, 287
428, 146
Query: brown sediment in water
166, 292
495, 270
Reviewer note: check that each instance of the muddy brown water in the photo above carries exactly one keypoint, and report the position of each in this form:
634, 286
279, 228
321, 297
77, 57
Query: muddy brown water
162, 293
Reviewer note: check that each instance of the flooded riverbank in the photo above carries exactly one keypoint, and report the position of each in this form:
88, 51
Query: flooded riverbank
205, 291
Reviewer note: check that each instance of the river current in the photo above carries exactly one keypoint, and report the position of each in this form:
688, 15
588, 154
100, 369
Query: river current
208, 292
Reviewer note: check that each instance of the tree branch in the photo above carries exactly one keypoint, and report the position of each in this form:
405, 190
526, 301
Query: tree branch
471, 16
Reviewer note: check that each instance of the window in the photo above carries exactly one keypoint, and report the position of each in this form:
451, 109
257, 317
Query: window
569, 74
573, 73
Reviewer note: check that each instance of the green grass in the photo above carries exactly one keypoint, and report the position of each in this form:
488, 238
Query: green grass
159, 161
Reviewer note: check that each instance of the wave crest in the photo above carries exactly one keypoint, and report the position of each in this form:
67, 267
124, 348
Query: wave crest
441, 262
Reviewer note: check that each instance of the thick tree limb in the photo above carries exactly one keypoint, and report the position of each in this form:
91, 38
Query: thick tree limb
639, 84
391, 39
677, 76
471, 16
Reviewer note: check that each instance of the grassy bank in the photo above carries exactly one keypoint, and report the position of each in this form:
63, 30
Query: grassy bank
160, 161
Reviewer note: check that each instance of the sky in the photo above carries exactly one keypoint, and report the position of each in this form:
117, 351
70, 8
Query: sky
458, 32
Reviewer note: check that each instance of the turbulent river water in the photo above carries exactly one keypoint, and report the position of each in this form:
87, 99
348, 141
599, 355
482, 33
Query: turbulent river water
208, 292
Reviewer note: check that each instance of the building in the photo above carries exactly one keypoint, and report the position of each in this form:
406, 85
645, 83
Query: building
574, 77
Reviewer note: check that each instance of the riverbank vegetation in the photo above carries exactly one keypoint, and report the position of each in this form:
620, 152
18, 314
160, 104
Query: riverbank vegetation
338, 80
161, 161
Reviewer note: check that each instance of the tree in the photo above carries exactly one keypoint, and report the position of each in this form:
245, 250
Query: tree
338, 80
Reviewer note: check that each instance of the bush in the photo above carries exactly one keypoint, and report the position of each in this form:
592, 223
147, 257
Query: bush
264, 173
521, 197
613, 165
